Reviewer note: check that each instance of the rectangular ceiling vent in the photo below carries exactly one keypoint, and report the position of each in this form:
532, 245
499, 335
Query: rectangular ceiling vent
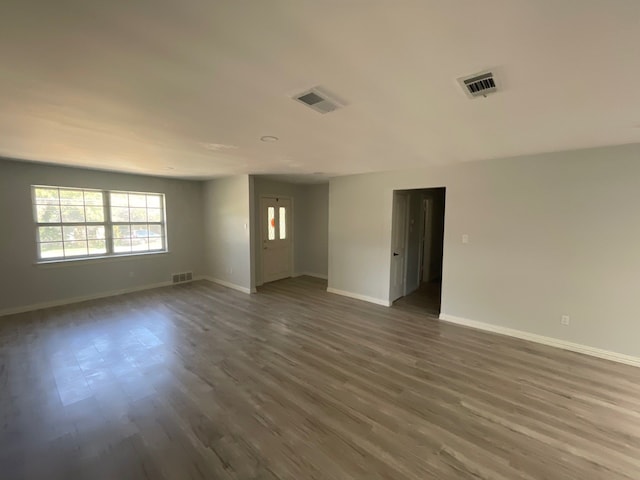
318, 100
479, 85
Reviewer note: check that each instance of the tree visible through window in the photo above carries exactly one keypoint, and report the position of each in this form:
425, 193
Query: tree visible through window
78, 223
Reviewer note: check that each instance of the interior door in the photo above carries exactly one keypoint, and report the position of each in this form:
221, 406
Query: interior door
276, 238
398, 245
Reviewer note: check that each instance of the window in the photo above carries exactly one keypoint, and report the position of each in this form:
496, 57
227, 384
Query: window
283, 223
271, 218
76, 223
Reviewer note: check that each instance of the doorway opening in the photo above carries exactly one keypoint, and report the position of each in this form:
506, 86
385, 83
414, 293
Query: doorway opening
416, 249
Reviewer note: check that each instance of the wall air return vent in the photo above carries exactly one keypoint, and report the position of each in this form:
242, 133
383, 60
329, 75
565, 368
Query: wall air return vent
479, 85
181, 277
319, 100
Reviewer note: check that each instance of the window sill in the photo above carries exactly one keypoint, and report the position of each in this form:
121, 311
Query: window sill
67, 262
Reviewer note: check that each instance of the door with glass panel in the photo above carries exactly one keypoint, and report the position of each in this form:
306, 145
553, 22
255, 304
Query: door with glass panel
275, 222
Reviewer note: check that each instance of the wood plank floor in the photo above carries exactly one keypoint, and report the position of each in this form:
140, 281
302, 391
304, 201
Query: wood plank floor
198, 381
425, 300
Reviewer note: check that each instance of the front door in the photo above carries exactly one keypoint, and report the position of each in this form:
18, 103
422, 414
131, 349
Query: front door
275, 214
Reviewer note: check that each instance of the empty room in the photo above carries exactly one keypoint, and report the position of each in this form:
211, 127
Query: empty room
290, 240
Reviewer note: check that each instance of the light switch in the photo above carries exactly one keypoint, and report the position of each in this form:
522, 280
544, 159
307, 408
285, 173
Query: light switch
465, 238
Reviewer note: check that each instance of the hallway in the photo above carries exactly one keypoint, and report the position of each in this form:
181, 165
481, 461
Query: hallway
425, 300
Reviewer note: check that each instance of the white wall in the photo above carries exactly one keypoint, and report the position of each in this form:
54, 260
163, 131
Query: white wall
549, 235
310, 205
227, 239
23, 283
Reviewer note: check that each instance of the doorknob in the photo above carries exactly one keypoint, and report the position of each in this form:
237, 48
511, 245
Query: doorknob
395, 254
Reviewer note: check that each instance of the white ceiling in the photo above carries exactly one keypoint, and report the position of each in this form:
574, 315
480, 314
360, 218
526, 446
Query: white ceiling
187, 88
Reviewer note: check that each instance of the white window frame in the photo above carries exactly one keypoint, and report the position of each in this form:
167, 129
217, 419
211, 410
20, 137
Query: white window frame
108, 225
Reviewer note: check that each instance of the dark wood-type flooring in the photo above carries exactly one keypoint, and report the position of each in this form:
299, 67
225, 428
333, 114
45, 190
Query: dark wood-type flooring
425, 300
199, 381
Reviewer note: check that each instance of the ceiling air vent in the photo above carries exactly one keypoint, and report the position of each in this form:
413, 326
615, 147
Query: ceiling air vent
319, 100
479, 85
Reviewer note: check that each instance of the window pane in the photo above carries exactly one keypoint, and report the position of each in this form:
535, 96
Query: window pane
156, 243
48, 213
121, 231
155, 231
119, 214
74, 233
72, 214
121, 245
136, 200
119, 200
74, 249
50, 234
140, 244
95, 232
51, 250
94, 214
154, 201
93, 198
283, 223
71, 197
140, 232
271, 223
154, 214
47, 196
138, 214
97, 246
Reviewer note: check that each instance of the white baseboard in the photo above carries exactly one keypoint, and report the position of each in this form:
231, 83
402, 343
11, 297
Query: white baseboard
553, 342
357, 296
233, 286
84, 298
311, 274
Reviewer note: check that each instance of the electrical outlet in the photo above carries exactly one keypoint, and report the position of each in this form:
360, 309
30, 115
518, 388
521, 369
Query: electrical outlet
465, 238
565, 320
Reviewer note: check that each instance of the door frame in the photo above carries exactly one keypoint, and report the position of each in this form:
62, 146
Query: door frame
426, 195
290, 228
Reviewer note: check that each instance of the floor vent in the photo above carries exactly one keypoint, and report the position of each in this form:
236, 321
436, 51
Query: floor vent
319, 100
181, 277
479, 84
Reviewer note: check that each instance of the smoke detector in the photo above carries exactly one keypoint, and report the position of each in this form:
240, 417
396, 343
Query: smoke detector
319, 100
479, 85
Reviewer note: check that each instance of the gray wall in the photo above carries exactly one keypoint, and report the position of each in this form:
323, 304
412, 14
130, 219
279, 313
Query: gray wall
310, 224
313, 239
549, 235
227, 238
24, 283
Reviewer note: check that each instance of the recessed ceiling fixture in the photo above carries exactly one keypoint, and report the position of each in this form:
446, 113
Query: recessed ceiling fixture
269, 138
479, 84
319, 100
